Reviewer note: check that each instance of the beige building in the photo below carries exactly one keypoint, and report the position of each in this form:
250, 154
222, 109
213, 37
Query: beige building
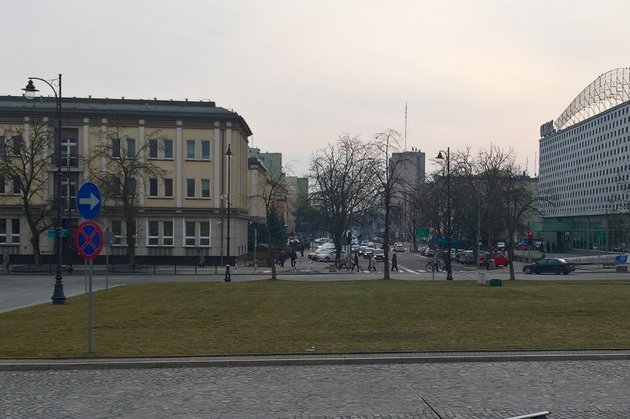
182, 212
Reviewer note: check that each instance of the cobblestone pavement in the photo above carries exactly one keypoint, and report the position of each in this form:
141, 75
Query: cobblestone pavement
569, 389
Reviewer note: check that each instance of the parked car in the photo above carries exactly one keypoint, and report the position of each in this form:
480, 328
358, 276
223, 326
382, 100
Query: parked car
467, 257
549, 265
379, 255
399, 247
500, 260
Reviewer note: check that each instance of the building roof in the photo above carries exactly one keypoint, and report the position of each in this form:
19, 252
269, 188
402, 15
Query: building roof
140, 108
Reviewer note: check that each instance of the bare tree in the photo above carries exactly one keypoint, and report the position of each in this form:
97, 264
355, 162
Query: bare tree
390, 183
24, 159
117, 164
271, 193
345, 184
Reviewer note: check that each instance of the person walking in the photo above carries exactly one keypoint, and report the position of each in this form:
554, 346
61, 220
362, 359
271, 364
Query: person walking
395, 262
293, 257
355, 262
371, 263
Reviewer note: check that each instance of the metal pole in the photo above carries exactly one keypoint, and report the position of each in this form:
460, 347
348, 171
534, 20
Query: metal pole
255, 246
449, 271
58, 296
228, 153
90, 310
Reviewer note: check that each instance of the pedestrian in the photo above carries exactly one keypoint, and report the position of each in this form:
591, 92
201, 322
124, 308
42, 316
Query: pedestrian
293, 257
395, 262
5, 260
371, 263
355, 262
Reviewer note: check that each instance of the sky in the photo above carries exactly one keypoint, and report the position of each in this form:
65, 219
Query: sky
471, 73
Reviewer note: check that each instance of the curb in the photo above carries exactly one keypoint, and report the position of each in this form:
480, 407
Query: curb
304, 360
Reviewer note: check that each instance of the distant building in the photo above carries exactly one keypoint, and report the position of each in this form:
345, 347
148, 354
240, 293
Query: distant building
410, 167
180, 215
585, 167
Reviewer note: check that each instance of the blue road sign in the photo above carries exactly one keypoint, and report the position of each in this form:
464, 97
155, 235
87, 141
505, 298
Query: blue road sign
88, 239
89, 200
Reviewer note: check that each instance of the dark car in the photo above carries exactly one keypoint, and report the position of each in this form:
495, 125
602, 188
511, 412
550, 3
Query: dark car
549, 265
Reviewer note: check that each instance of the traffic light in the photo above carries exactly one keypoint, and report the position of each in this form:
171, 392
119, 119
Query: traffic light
530, 237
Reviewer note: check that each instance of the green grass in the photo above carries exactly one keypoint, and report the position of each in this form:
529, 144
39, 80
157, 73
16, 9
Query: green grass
325, 317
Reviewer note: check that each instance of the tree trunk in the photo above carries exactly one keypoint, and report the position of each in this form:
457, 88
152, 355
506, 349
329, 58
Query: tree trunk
37, 256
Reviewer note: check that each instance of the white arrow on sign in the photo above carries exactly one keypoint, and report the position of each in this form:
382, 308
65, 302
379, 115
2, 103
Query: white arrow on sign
92, 201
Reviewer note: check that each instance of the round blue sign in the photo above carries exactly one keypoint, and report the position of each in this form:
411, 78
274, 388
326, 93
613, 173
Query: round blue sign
89, 200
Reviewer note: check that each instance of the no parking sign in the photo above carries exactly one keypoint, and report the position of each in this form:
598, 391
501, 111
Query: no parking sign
88, 239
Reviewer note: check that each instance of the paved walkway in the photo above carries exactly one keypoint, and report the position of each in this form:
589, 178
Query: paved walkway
446, 388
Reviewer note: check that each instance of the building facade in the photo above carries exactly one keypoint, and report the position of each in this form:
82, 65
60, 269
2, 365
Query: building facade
410, 169
182, 212
585, 168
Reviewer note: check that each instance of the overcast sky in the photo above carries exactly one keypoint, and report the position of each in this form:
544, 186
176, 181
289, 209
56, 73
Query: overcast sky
473, 73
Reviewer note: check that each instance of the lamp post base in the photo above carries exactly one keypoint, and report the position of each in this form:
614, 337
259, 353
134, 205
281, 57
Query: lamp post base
228, 276
58, 296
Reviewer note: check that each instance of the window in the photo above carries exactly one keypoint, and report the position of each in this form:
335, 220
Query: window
167, 235
2, 185
153, 148
153, 188
69, 155
190, 188
131, 147
189, 239
15, 231
115, 147
117, 234
168, 188
168, 149
190, 149
197, 233
131, 187
204, 233
153, 238
205, 150
3, 146
3, 230
17, 182
17, 145
69, 191
205, 188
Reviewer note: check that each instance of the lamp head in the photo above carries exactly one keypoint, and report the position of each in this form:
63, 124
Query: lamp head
440, 156
30, 89
229, 150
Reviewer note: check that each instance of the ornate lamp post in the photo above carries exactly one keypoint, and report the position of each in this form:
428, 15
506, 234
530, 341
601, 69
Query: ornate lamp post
58, 296
440, 156
228, 154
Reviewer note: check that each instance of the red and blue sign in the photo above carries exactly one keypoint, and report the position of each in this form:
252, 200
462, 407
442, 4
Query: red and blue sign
88, 239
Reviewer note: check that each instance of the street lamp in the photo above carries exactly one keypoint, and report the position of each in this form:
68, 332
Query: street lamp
440, 156
228, 153
58, 296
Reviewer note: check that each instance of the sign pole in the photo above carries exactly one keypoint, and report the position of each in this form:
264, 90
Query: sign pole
90, 310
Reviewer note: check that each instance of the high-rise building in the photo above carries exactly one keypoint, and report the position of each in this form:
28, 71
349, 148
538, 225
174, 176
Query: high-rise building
585, 168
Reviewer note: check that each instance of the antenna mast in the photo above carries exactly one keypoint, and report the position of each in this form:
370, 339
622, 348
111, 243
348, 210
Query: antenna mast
405, 126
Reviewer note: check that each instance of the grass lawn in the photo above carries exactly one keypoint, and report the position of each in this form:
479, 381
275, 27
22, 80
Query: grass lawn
325, 317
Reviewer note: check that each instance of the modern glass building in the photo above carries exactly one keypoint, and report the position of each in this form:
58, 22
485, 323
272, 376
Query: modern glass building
585, 168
